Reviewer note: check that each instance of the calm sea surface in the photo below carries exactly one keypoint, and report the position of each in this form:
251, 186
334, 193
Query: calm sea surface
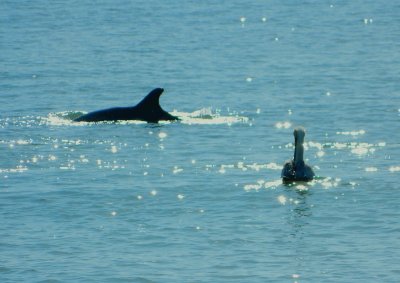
199, 200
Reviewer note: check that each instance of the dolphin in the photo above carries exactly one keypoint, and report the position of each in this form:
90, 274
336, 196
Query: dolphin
148, 110
296, 169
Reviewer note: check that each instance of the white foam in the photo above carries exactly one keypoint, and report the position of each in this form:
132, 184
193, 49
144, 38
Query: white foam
338, 145
360, 150
357, 148
202, 116
23, 142
351, 133
66, 119
18, 169
368, 21
329, 183
272, 184
177, 170
317, 145
282, 199
251, 187
283, 125
394, 169
263, 184
59, 119
255, 187
52, 157
301, 188
206, 116
245, 167
222, 170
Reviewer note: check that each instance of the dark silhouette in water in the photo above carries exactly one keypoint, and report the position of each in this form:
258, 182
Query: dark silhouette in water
296, 169
148, 110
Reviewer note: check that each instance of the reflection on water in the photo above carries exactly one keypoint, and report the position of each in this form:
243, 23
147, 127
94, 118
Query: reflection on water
299, 208
318, 182
298, 218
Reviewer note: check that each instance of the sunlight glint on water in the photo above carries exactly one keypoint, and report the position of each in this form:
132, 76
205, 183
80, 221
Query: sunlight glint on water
200, 199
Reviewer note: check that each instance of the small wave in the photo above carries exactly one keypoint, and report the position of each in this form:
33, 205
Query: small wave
322, 182
283, 125
244, 167
357, 148
394, 169
18, 169
62, 118
262, 184
207, 116
66, 118
351, 133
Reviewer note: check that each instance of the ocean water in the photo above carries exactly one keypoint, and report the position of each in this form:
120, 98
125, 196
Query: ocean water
199, 200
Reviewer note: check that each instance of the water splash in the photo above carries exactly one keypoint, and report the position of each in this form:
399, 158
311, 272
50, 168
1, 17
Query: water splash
371, 169
318, 182
245, 167
283, 125
351, 133
206, 116
66, 118
282, 199
357, 148
177, 170
262, 184
202, 116
18, 169
62, 118
394, 169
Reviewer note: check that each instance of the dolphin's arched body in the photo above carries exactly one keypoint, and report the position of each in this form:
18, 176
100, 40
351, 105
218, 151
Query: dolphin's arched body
296, 169
148, 110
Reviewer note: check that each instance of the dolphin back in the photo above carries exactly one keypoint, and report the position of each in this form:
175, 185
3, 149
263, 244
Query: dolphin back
148, 110
111, 114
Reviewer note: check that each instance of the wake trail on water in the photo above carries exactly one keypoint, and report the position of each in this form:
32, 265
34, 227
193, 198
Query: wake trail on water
204, 116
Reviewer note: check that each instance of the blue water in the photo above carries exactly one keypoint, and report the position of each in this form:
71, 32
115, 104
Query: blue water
199, 200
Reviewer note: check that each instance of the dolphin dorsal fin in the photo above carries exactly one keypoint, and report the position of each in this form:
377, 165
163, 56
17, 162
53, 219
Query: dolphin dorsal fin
152, 100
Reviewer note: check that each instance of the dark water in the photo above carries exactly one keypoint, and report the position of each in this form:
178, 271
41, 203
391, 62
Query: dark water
199, 200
